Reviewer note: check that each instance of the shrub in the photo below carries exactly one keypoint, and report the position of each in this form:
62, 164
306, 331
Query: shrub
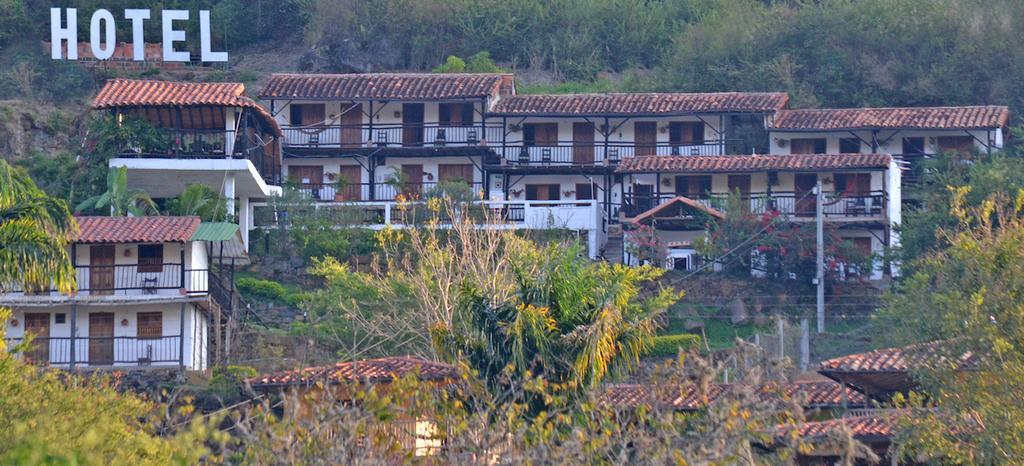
669, 345
262, 289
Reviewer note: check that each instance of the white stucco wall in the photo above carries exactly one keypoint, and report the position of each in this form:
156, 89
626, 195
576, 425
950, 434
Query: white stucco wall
126, 351
890, 142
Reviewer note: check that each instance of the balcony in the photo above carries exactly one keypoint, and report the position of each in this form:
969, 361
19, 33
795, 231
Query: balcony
104, 351
383, 191
170, 143
427, 135
568, 153
132, 280
797, 206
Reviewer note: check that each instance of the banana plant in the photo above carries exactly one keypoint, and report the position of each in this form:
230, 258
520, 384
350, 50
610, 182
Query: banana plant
119, 199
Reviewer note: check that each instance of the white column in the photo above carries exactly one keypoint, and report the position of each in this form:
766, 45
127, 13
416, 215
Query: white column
229, 194
894, 189
244, 220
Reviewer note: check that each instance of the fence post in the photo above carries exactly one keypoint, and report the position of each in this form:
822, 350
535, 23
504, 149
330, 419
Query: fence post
74, 331
805, 344
181, 337
182, 265
782, 338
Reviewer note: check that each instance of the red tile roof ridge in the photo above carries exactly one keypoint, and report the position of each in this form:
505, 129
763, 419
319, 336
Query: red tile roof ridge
383, 369
894, 359
150, 229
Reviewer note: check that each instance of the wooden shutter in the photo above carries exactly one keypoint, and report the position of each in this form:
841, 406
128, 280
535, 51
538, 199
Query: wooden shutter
455, 171
150, 325
151, 258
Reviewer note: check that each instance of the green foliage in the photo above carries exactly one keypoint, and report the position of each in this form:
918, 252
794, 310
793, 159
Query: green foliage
50, 417
452, 64
968, 297
119, 200
948, 177
480, 62
672, 345
54, 173
568, 320
199, 200
263, 289
34, 232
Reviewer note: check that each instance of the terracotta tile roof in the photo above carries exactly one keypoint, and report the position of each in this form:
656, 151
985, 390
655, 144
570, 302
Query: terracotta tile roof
740, 163
877, 426
387, 86
825, 394
678, 200
135, 229
640, 104
152, 93
140, 92
381, 370
689, 398
977, 117
681, 398
899, 359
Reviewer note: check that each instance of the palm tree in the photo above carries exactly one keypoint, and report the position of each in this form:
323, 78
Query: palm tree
199, 200
568, 321
119, 199
34, 232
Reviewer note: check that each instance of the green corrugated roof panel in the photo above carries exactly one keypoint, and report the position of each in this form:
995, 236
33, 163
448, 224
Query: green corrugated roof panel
215, 231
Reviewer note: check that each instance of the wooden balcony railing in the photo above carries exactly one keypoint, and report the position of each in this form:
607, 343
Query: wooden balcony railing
836, 205
584, 154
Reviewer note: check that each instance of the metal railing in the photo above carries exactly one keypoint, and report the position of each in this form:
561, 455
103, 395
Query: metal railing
597, 153
102, 350
383, 191
390, 135
204, 144
136, 279
836, 205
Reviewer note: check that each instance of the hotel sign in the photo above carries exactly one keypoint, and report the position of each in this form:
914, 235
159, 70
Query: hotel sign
103, 34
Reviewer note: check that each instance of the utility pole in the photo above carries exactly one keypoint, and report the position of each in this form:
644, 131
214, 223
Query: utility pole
819, 204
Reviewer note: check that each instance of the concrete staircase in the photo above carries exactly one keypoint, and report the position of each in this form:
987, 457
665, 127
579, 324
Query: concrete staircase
613, 248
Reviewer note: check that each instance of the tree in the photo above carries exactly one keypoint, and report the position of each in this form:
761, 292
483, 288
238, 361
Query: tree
119, 200
567, 320
199, 200
34, 232
969, 296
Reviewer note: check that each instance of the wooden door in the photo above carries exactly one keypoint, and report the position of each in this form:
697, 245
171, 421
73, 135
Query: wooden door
351, 125
306, 176
351, 189
413, 176
455, 172
38, 324
854, 184
806, 202
412, 125
101, 338
739, 183
645, 136
583, 143
693, 186
309, 178
543, 192
808, 146
101, 269
685, 133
